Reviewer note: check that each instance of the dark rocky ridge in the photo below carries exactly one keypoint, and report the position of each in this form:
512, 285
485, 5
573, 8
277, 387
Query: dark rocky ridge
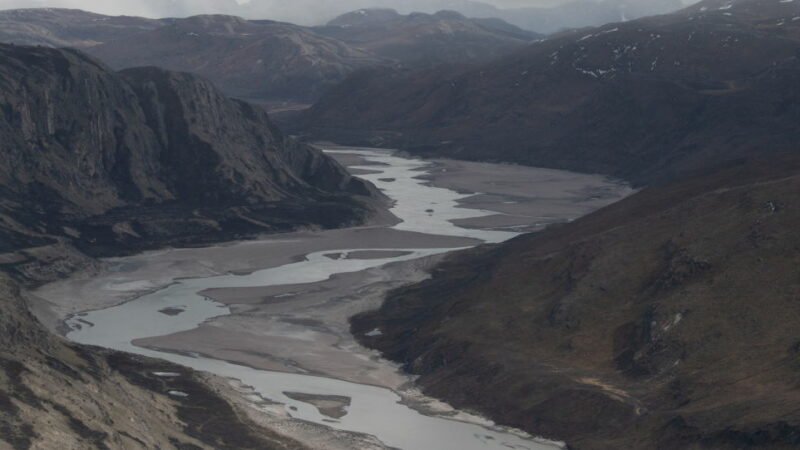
666, 321
647, 100
113, 162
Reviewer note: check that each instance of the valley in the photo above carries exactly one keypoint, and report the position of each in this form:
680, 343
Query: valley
278, 308
402, 225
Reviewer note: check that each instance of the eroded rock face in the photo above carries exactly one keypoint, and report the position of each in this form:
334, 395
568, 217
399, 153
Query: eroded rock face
145, 156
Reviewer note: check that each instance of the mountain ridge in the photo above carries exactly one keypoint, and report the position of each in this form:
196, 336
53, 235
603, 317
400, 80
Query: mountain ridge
583, 100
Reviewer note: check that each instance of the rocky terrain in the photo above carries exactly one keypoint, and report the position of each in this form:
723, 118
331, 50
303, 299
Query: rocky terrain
55, 27
645, 100
666, 321
426, 39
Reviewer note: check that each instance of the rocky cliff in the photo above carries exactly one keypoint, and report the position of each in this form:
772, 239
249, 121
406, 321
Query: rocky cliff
123, 161
666, 321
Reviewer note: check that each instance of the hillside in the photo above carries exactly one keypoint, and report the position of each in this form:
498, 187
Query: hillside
421, 39
666, 321
646, 100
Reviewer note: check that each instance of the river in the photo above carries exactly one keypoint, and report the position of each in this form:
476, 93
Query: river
422, 208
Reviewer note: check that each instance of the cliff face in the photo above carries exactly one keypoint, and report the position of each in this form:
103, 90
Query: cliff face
145, 157
647, 100
666, 321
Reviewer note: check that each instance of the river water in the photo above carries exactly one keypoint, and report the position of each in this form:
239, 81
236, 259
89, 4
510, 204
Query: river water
373, 410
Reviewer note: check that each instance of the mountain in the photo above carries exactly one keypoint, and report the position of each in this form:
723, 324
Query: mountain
94, 162
647, 100
54, 27
426, 39
666, 321
112, 162
266, 60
